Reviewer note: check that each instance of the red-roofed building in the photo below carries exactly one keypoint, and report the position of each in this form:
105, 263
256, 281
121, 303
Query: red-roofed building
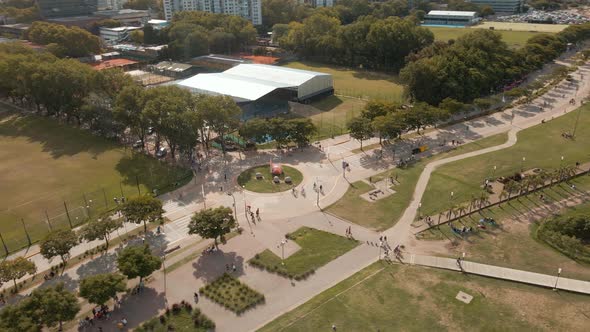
124, 64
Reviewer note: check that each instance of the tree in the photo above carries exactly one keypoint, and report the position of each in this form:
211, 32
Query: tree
14, 319
99, 288
100, 229
128, 110
16, 269
136, 36
58, 243
375, 108
451, 105
256, 129
486, 11
51, 305
74, 41
138, 261
212, 223
300, 130
360, 129
222, 114
144, 209
389, 126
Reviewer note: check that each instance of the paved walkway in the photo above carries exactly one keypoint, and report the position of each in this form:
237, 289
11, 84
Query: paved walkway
498, 272
210, 189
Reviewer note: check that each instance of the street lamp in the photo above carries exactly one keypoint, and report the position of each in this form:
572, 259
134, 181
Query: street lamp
419, 206
494, 172
283, 242
561, 162
557, 279
522, 164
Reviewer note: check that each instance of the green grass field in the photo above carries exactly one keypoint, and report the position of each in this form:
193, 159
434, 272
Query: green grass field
247, 179
384, 213
317, 249
513, 243
542, 146
357, 82
44, 163
385, 297
514, 39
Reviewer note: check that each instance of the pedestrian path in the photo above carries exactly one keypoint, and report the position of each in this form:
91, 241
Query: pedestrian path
532, 278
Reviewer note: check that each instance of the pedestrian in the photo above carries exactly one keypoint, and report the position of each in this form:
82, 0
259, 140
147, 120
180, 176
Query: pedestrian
100, 329
252, 215
224, 176
385, 238
233, 267
258, 213
380, 238
320, 146
321, 188
333, 327
196, 296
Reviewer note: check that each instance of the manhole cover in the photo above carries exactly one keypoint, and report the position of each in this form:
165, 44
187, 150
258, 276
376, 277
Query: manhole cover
464, 297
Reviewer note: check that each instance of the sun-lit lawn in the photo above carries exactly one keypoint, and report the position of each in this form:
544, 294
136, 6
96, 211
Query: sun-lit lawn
357, 82
510, 26
247, 179
541, 146
384, 213
392, 297
317, 249
44, 164
514, 39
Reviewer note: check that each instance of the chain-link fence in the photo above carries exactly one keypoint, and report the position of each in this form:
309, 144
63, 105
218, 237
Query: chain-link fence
23, 225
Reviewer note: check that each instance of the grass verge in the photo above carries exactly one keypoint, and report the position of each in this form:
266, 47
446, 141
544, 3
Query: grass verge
247, 179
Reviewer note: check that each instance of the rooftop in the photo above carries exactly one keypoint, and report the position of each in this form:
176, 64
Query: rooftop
172, 66
113, 63
248, 82
451, 13
120, 29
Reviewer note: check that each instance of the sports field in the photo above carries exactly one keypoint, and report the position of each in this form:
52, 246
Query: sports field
357, 82
394, 297
514, 39
44, 164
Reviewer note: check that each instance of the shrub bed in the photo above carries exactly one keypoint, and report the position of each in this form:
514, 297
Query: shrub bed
232, 294
570, 235
180, 317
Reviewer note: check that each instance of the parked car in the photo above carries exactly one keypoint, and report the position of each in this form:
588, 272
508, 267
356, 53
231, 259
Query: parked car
162, 152
138, 144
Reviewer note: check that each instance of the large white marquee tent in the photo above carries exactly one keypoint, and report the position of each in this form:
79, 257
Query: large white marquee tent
250, 82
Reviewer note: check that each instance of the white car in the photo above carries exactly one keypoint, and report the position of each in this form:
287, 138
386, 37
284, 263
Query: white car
162, 152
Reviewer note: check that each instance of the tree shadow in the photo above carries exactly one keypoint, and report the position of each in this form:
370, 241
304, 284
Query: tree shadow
211, 266
69, 283
105, 263
136, 309
141, 169
56, 139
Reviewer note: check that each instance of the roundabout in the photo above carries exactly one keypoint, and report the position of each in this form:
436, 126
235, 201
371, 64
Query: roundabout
263, 179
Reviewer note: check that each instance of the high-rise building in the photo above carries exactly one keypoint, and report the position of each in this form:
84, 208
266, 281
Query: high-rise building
248, 9
501, 6
111, 4
65, 8
318, 3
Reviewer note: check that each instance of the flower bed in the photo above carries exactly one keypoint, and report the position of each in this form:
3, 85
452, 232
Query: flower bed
232, 294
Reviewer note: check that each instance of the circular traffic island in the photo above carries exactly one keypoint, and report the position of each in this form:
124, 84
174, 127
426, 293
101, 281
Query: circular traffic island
263, 179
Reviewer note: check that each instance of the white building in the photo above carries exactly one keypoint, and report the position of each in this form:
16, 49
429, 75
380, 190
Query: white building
248, 9
116, 35
450, 18
318, 3
111, 4
250, 82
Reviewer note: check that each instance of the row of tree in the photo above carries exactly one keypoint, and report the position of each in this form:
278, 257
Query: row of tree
23, 11
63, 41
389, 121
368, 42
479, 63
50, 306
282, 131
109, 102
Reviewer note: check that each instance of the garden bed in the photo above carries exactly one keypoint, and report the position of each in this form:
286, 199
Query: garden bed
232, 294
181, 317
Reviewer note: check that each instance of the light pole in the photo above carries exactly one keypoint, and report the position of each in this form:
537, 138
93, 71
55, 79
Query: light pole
419, 206
522, 164
283, 242
494, 172
557, 279
561, 162
164, 266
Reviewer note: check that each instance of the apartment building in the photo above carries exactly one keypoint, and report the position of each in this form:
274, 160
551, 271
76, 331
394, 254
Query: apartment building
248, 9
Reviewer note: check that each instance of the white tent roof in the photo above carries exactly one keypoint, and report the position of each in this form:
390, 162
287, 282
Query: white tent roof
451, 13
248, 82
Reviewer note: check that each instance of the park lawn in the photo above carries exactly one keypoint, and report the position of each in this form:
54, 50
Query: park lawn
334, 113
357, 83
317, 249
384, 213
45, 164
542, 146
392, 297
514, 39
247, 179
513, 243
